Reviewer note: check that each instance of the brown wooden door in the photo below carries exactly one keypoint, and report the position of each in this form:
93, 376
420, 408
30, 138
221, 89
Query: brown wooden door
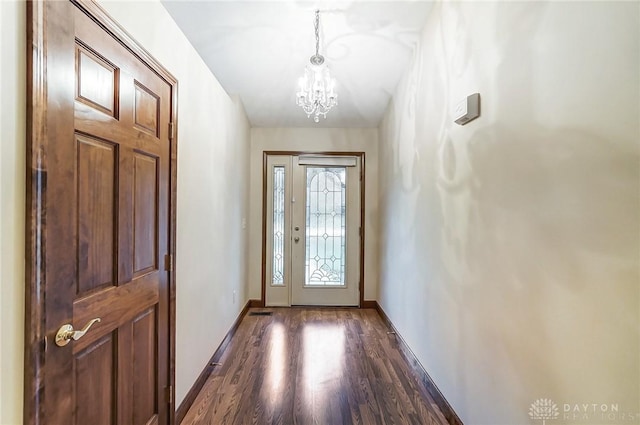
104, 182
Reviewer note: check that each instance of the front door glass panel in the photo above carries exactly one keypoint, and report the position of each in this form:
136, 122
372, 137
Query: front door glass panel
325, 226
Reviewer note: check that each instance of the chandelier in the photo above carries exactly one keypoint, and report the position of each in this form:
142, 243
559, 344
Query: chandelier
316, 92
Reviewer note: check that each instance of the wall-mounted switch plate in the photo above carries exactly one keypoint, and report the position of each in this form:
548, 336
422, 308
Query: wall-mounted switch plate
468, 109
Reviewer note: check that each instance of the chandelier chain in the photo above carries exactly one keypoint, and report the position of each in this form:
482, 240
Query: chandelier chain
317, 26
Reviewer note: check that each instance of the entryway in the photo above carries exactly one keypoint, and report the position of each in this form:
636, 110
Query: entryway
312, 220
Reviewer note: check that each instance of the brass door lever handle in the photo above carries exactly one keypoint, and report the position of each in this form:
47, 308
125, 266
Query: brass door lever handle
66, 333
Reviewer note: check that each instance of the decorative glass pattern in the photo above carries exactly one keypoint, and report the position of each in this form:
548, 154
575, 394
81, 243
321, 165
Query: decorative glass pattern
278, 226
326, 226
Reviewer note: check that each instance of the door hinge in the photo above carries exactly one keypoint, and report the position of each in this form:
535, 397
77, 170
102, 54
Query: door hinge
168, 392
172, 130
168, 263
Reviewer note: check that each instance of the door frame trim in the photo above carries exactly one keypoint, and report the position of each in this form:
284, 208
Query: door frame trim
265, 156
40, 113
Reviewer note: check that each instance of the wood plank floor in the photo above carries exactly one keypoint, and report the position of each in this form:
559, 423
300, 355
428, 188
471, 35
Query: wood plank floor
322, 366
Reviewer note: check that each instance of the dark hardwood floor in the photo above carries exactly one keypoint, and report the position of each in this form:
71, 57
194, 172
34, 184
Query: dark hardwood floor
322, 366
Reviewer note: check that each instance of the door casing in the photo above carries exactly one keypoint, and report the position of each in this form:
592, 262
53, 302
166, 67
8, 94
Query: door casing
265, 170
44, 124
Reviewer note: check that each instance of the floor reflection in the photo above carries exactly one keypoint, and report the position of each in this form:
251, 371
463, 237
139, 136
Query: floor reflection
313, 366
277, 361
323, 360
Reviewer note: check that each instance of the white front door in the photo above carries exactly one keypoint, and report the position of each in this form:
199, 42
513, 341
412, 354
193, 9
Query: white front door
313, 230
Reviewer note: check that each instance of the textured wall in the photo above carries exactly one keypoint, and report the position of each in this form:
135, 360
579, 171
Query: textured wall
510, 246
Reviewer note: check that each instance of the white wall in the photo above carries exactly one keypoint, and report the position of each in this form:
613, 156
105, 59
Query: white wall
213, 152
12, 188
319, 140
510, 247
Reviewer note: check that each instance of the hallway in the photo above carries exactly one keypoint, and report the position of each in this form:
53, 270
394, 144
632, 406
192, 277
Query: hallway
313, 366
504, 250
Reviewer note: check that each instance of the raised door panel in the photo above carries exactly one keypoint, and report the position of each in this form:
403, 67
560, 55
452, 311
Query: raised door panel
145, 213
94, 383
96, 195
145, 406
125, 219
147, 110
96, 81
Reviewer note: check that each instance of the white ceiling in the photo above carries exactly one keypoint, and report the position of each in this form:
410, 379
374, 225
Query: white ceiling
258, 50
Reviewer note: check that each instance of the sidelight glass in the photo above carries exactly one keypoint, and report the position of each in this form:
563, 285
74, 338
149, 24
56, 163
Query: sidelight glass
325, 226
278, 226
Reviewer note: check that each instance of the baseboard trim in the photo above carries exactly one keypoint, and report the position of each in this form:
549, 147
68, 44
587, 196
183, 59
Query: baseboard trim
420, 371
190, 398
256, 303
369, 304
